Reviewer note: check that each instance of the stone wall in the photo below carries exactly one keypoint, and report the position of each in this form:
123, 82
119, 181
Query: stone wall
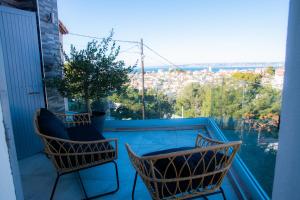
51, 49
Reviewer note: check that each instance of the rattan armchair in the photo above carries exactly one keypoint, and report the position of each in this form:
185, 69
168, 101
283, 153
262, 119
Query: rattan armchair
72, 156
194, 172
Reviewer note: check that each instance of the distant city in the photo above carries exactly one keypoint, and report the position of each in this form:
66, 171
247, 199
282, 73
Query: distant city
171, 79
215, 66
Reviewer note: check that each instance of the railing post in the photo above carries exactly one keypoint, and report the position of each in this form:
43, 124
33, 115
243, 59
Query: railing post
143, 79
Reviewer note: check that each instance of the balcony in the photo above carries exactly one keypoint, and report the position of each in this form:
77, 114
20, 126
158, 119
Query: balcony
38, 173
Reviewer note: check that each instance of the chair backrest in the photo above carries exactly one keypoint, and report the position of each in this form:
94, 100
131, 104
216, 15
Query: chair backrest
74, 119
185, 174
69, 120
35, 121
66, 154
52, 144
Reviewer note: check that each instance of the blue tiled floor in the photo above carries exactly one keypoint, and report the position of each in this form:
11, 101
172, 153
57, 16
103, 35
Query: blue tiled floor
38, 173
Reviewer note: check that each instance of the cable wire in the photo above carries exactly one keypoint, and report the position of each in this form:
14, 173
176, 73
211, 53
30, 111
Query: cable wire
126, 50
127, 41
99, 38
156, 53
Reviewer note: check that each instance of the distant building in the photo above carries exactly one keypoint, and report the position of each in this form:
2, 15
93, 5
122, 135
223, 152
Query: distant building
279, 71
63, 31
278, 78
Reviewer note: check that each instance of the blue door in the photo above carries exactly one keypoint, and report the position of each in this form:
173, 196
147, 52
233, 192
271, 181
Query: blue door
23, 76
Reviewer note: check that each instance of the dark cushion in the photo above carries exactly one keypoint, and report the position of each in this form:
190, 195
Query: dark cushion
165, 151
163, 167
84, 133
50, 125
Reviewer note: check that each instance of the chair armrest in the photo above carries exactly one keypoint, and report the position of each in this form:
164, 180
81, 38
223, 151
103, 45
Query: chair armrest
69, 155
58, 147
202, 141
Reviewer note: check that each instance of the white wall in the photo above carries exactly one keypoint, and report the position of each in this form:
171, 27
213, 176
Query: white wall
7, 189
9, 163
287, 172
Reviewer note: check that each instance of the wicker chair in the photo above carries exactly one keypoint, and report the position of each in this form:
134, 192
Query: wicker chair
185, 172
72, 156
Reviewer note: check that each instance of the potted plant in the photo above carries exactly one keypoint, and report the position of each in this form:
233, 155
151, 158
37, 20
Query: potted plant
92, 74
99, 108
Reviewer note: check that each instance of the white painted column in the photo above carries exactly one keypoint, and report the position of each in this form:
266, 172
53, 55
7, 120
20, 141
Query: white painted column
7, 188
287, 172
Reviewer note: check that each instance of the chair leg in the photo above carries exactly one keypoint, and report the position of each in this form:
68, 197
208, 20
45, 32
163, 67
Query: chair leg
117, 176
111, 192
223, 193
54, 187
134, 184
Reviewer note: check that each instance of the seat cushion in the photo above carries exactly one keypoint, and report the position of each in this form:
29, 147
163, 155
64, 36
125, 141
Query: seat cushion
185, 166
84, 133
50, 125
165, 151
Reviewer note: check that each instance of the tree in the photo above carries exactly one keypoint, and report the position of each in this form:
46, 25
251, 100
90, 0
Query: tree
270, 70
158, 105
129, 104
191, 99
235, 98
267, 102
248, 77
249, 84
92, 73
210, 100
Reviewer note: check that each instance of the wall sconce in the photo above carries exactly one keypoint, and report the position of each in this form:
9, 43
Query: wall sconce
50, 18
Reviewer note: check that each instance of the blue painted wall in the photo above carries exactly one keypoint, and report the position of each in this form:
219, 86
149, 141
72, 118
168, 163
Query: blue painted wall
22, 67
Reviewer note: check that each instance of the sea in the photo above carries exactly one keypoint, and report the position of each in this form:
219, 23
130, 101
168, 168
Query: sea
209, 68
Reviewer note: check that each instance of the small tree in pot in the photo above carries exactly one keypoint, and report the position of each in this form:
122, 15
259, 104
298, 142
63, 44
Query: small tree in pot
92, 74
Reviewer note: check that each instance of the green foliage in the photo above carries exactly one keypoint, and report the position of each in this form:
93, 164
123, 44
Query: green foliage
76, 105
232, 99
129, 104
266, 102
157, 105
92, 73
209, 100
270, 71
191, 100
248, 77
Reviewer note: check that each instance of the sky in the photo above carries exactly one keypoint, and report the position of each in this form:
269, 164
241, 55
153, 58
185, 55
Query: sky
183, 31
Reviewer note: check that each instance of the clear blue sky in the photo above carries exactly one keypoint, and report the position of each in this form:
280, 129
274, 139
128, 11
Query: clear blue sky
184, 31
